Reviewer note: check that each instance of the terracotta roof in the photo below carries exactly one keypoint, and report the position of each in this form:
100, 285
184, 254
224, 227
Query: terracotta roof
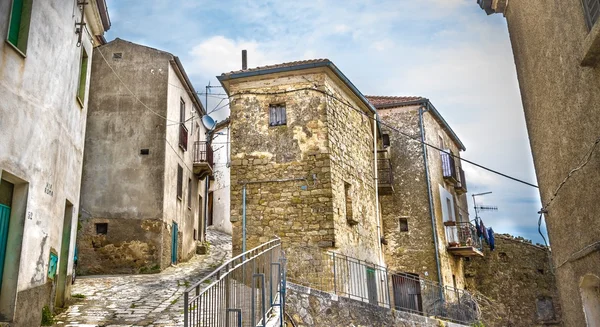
391, 100
282, 65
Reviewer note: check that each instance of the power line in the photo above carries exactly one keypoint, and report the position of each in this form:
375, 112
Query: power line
388, 126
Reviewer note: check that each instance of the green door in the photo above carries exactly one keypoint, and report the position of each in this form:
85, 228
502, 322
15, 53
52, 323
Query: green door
4, 218
174, 244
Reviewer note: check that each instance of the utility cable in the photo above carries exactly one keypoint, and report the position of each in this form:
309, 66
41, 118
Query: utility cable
416, 139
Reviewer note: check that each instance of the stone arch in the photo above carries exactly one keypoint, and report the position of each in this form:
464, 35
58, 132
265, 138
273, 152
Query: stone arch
590, 297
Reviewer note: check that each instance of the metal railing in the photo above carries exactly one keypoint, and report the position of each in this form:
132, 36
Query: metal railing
363, 281
241, 292
463, 234
385, 174
203, 152
183, 136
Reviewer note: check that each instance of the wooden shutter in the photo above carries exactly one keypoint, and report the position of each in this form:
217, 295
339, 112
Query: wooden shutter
179, 182
15, 22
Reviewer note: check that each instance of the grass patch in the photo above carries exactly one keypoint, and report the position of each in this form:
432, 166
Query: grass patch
150, 270
132, 306
174, 301
47, 317
78, 296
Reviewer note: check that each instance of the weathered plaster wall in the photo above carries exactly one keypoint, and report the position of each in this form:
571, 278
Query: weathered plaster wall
414, 251
450, 264
136, 194
562, 113
220, 186
42, 129
518, 279
310, 307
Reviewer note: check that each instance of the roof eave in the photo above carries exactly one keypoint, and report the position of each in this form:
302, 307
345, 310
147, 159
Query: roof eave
445, 124
188, 83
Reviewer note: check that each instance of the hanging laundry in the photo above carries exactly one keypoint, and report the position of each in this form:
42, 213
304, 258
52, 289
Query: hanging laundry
478, 228
491, 237
485, 234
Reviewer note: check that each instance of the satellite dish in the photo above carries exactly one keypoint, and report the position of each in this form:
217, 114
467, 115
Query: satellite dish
208, 122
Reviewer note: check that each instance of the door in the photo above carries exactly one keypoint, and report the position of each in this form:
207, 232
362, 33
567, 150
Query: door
174, 240
407, 293
4, 219
372, 285
200, 219
210, 209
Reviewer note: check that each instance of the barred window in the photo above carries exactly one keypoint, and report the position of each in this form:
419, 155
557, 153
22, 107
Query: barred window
277, 115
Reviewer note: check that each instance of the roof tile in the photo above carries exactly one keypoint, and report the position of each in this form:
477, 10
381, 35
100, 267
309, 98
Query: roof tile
391, 100
285, 64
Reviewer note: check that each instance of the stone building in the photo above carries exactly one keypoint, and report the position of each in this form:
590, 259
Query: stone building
303, 144
517, 282
145, 161
422, 190
556, 46
219, 191
45, 57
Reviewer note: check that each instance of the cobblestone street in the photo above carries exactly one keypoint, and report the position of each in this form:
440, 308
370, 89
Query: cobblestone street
142, 300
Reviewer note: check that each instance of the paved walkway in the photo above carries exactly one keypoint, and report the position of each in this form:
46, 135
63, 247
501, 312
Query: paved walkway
142, 300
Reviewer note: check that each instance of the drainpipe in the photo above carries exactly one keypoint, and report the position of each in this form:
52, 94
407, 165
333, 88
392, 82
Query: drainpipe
375, 120
433, 224
244, 220
206, 187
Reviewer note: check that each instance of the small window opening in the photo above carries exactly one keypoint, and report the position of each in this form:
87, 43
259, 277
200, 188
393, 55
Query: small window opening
385, 140
189, 198
277, 115
179, 182
117, 55
101, 228
403, 222
145, 152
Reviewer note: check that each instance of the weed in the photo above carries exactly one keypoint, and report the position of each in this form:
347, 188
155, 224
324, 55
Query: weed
174, 301
132, 306
47, 317
78, 296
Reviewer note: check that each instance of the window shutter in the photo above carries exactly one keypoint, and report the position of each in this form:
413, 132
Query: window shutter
179, 181
283, 115
15, 22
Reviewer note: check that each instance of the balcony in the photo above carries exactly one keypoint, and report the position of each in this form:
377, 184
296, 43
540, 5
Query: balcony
203, 159
462, 239
385, 174
448, 166
183, 137
461, 186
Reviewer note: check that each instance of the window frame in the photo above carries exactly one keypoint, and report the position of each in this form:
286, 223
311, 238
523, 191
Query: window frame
403, 221
277, 115
82, 81
179, 182
22, 38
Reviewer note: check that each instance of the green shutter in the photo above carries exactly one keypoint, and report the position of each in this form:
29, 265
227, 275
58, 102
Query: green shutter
15, 22
82, 76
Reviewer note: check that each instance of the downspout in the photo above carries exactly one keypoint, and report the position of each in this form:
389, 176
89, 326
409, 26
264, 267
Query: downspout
206, 187
375, 122
433, 224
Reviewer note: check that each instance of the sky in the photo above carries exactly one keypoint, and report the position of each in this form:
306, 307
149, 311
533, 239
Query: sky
448, 51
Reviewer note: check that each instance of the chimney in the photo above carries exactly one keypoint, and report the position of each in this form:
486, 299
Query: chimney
244, 60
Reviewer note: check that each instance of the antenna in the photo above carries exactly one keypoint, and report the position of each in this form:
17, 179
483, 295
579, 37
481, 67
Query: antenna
482, 207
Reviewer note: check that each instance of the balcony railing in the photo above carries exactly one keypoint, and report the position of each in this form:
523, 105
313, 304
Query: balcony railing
463, 240
448, 166
183, 137
385, 174
202, 155
461, 186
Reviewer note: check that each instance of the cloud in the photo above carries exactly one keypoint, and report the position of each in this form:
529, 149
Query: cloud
446, 50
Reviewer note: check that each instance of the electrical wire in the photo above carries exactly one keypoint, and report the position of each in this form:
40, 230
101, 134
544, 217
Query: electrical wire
130, 91
416, 139
219, 108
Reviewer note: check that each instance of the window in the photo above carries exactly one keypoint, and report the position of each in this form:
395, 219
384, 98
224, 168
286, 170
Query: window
450, 210
82, 77
183, 132
18, 30
403, 223
102, 228
277, 115
591, 9
385, 140
589, 288
348, 201
189, 199
179, 182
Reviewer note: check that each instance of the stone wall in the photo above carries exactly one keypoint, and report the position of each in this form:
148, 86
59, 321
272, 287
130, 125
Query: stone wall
309, 307
324, 147
413, 251
517, 284
561, 104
